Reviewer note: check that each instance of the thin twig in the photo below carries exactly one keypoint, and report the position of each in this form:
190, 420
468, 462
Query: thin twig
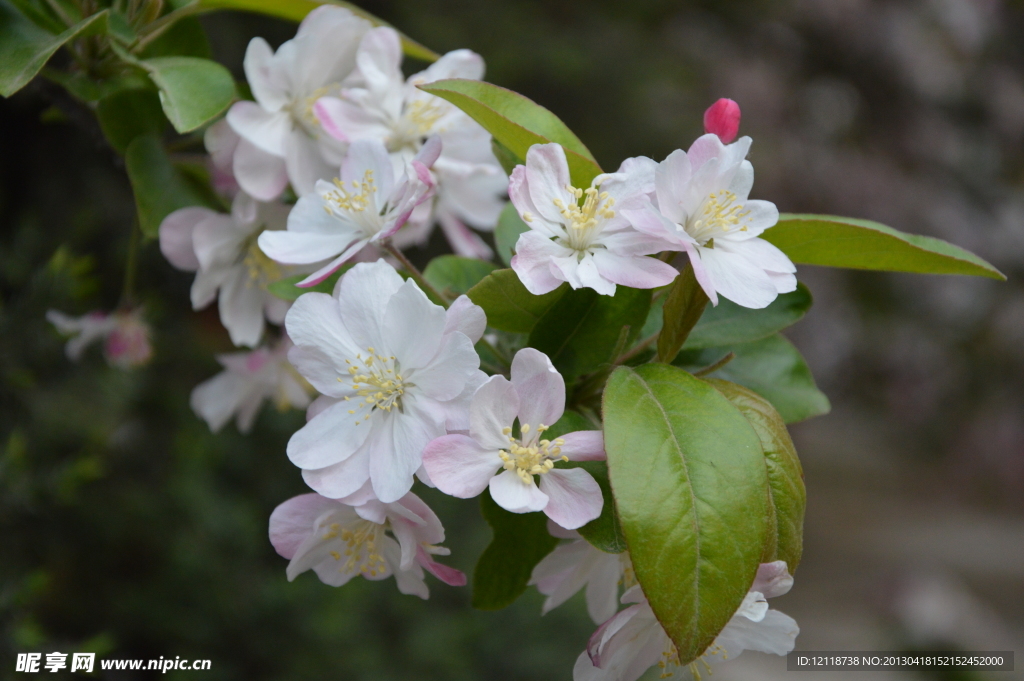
414, 272
154, 30
716, 366
637, 349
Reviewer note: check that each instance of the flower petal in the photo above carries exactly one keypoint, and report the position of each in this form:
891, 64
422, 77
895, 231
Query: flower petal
414, 328
294, 520
258, 173
494, 408
268, 131
634, 271
547, 176
584, 445
512, 494
533, 259
737, 278
459, 466
330, 437
540, 387
466, 317
176, 236
363, 295
574, 497
341, 480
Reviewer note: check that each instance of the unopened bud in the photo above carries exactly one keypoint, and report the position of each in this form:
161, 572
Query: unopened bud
723, 119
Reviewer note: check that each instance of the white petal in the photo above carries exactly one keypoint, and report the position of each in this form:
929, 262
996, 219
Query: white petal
363, 295
268, 131
341, 480
547, 175
773, 579
216, 399
512, 494
446, 375
671, 177
258, 173
314, 320
532, 262
267, 86
584, 445
241, 309
603, 587
331, 436
574, 497
369, 156
738, 279
397, 451
634, 271
294, 520
304, 162
466, 317
540, 387
414, 328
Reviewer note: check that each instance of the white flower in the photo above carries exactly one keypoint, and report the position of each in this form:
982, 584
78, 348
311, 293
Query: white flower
577, 564
286, 85
394, 370
229, 264
248, 379
125, 334
633, 641
366, 204
375, 540
464, 465
702, 208
589, 245
237, 163
387, 107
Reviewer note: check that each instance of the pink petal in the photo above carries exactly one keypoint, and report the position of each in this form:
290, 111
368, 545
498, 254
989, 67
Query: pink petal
634, 271
532, 262
540, 387
773, 579
466, 317
292, 521
584, 445
512, 494
723, 119
574, 497
448, 575
459, 466
547, 173
176, 236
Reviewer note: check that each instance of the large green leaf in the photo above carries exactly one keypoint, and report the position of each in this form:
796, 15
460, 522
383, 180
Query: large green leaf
691, 487
507, 231
521, 540
160, 189
604, 532
729, 323
866, 245
126, 114
507, 303
772, 368
25, 47
581, 330
517, 122
193, 91
454, 275
296, 10
785, 474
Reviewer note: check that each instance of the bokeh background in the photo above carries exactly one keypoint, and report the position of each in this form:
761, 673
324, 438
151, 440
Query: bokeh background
128, 528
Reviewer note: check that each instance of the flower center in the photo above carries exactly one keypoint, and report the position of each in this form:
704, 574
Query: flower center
262, 270
302, 108
581, 222
720, 213
694, 666
417, 121
378, 381
339, 200
529, 457
362, 543
669, 662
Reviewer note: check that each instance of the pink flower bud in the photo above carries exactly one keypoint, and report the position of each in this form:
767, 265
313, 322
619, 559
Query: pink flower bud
723, 119
127, 345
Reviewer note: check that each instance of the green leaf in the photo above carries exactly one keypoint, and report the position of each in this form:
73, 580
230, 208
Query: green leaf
691, 486
125, 114
506, 158
521, 540
507, 231
866, 245
185, 38
683, 308
604, 532
517, 123
286, 288
453, 274
581, 330
730, 323
160, 189
785, 474
25, 48
296, 10
772, 368
507, 303
193, 91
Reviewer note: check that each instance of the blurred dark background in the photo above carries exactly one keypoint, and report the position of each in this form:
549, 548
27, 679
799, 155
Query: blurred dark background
127, 528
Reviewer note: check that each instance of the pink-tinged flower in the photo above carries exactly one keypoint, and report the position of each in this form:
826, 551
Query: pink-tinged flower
577, 564
395, 371
464, 465
589, 245
633, 641
702, 207
248, 379
723, 119
286, 85
380, 103
236, 163
366, 204
125, 335
373, 539
222, 250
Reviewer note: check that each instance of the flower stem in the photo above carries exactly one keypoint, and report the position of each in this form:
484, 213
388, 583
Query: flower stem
415, 273
637, 349
131, 268
716, 366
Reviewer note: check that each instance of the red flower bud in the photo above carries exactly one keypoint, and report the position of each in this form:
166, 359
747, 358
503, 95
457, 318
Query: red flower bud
723, 119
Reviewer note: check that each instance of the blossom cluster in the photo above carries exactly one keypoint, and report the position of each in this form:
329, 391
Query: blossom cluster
390, 379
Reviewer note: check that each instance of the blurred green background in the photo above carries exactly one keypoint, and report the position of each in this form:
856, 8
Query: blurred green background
127, 528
